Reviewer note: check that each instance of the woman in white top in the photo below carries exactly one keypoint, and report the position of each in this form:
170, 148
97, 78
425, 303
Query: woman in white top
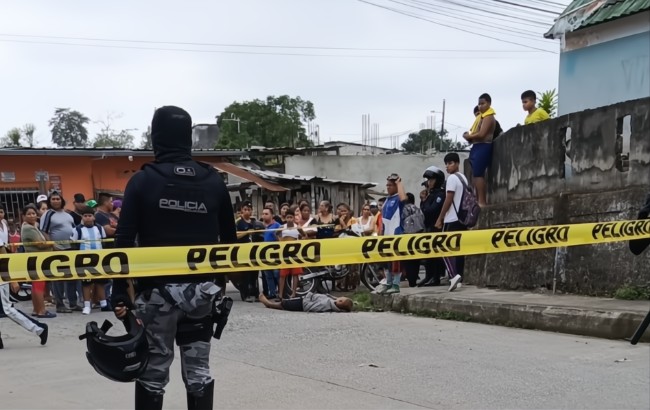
367, 221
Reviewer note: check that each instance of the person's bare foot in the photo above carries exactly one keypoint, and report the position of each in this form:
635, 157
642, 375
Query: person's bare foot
263, 298
293, 296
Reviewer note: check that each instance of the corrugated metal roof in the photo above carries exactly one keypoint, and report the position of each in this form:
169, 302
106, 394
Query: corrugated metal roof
110, 152
584, 13
307, 178
248, 176
614, 9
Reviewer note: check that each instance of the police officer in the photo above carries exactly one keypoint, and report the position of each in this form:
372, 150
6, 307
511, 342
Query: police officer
174, 201
431, 207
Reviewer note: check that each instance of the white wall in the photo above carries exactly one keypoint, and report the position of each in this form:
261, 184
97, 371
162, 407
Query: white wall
369, 168
356, 149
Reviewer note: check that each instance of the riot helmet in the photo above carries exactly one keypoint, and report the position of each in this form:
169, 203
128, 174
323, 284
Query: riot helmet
118, 358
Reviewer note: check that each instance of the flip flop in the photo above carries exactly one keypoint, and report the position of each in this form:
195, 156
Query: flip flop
46, 315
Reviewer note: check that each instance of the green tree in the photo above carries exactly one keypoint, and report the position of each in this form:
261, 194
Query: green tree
109, 137
424, 140
276, 122
12, 138
112, 139
28, 134
548, 102
69, 128
145, 140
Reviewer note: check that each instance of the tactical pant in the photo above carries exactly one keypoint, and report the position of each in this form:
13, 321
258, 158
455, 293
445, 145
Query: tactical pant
192, 329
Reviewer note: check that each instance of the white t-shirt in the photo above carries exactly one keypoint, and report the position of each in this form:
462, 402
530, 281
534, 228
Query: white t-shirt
290, 232
454, 185
4, 233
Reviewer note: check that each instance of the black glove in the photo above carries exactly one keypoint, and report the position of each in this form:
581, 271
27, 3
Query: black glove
120, 295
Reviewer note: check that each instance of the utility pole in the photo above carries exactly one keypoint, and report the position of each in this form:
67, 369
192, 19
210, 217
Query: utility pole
236, 119
442, 125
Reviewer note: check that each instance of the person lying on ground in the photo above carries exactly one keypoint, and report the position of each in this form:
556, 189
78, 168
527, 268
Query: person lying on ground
311, 302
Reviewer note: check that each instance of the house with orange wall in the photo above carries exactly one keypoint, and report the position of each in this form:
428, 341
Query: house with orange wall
27, 172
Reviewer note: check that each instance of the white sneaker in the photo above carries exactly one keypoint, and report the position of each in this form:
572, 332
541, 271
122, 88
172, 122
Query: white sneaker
381, 289
85, 311
453, 283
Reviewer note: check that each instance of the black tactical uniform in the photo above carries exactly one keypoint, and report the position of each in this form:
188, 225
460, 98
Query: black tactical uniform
174, 201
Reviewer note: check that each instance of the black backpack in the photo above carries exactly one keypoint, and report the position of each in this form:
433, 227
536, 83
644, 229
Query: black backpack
497, 130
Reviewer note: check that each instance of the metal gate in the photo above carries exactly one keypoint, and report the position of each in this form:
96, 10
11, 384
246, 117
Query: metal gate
14, 199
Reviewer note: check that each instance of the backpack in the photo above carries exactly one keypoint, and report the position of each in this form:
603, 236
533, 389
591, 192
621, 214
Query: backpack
497, 130
412, 219
469, 209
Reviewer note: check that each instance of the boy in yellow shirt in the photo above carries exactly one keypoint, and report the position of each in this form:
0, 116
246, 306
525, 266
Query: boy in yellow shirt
535, 114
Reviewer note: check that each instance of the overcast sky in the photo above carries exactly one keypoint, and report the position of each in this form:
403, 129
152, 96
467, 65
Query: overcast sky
397, 88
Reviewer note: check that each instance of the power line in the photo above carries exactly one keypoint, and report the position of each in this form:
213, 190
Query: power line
433, 57
528, 35
524, 7
550, 3
508, 19
495, 8
273, 46
455, 28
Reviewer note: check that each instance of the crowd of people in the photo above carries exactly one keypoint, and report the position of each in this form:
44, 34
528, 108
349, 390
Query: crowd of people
47, 225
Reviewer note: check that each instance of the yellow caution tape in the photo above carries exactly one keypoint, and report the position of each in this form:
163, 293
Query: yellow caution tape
60, 242
143, 262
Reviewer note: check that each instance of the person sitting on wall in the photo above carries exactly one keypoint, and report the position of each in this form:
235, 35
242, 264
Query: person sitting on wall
480, 155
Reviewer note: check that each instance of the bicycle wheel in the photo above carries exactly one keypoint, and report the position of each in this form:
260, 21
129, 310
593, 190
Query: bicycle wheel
371, 274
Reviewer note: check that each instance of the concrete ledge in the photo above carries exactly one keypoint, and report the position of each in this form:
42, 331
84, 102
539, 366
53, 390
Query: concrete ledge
596, 317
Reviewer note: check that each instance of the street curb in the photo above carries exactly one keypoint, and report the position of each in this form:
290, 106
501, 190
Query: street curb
607, 324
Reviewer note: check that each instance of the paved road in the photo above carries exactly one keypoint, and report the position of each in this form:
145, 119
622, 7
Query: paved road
275, 359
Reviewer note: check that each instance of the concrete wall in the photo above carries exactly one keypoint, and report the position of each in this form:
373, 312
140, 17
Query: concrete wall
368, 168
535, 180
605, 64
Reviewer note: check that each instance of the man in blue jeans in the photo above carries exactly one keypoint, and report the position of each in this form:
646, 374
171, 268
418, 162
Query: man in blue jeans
272, 277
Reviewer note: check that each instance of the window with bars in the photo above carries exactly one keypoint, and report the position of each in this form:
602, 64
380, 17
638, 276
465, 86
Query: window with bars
14, 199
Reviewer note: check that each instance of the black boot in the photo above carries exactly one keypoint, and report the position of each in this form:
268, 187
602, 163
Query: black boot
145, 400
201, 400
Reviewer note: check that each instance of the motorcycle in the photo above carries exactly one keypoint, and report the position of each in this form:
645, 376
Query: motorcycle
23, 294
315, 279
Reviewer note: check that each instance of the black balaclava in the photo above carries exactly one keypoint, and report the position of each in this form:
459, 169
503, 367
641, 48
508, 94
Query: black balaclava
171, 134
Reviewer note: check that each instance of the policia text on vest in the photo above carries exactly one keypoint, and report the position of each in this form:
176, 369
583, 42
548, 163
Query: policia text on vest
164, 261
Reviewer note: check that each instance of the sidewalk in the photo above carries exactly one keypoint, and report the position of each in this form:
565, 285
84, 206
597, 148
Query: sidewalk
580, 315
